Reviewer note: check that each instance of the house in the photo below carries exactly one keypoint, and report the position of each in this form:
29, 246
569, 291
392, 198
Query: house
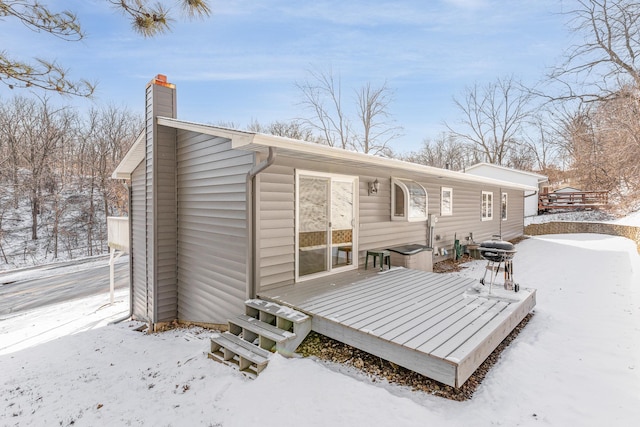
531, 179
219, 216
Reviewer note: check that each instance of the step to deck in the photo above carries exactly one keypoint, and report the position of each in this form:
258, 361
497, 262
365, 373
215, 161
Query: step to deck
267, 336
268, 310
231, 349
265, 328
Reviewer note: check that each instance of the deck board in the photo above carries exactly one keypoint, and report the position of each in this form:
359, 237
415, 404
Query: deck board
459, 326
396, 307
381, 298
376, 287
440, 325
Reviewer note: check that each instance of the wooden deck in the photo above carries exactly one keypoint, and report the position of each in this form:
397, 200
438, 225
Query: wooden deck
439, 325
573, 200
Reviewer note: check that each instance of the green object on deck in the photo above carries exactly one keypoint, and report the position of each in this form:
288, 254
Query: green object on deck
382, 255
457, 249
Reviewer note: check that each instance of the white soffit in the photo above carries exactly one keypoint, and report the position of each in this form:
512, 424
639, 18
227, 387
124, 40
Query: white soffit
131, 160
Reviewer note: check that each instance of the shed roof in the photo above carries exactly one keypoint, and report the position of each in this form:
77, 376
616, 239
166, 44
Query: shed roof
258, 142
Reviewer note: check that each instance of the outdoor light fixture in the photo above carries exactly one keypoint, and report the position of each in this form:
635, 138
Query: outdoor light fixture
374, 186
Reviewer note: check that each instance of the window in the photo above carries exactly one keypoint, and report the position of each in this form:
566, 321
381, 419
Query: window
503, 207
408, 200
446, 201
487, 206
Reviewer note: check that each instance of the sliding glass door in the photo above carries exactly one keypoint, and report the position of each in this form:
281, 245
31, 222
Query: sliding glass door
326, 220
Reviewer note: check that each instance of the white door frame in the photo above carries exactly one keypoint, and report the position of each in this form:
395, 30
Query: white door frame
355, 225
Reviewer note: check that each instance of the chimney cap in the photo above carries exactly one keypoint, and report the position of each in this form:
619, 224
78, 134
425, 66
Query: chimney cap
161, 80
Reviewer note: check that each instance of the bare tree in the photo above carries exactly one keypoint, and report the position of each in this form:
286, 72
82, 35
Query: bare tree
330, 118
377, 128
117, 129
493, 118
322, 96
44, 128
615, 150
443, 152
292, 129
13, 115
606, 59
542, 147
103, 137
148, 18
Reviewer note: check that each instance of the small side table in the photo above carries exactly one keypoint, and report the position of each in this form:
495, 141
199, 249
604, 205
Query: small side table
383, 255
347, 251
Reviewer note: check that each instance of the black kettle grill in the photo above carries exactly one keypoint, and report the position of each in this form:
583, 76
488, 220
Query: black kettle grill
499, 255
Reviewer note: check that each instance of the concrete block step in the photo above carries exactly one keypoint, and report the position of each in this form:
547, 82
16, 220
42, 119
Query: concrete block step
231, 349
276, 310
252, 329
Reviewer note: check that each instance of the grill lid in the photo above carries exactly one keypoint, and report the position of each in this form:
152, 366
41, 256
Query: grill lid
497, 250
498, 244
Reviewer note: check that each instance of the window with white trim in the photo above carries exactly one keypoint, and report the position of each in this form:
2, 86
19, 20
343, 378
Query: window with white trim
446, 201
487, 205
503, 207
408, 200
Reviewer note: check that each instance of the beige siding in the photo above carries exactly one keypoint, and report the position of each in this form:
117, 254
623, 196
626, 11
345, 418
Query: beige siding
212, 228
149, 207
466, 218
161, 205
276, 219
166, 226
276, 231
376, 228
514, 225
138, 257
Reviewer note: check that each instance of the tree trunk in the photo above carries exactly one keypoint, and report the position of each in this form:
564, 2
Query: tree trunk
56, 220
35, 207
90, 222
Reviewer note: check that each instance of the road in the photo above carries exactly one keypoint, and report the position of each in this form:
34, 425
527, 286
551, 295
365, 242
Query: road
39, 286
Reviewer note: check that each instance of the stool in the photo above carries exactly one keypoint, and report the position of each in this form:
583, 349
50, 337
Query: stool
347, 251
383, 255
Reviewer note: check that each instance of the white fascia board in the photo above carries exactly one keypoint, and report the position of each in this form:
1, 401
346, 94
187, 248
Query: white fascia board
326, 152
232, 134
541, 178
252, 141
131, 160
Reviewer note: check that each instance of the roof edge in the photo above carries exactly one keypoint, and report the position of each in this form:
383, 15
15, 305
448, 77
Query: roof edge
131, 160
252, 141
541, 178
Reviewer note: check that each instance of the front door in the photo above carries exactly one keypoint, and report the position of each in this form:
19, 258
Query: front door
326, 224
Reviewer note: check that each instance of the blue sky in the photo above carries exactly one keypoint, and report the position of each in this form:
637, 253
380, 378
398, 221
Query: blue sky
241, 64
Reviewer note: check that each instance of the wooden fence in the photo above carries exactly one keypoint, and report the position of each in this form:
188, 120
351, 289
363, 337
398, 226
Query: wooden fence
572, 200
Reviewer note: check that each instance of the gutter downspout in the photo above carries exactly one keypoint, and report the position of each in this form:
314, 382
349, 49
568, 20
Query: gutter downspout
128, 316
251, 216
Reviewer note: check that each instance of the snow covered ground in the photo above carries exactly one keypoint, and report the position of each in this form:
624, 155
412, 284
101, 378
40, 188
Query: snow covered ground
577, 362
584, 216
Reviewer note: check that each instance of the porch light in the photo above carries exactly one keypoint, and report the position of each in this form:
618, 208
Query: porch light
374, 186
